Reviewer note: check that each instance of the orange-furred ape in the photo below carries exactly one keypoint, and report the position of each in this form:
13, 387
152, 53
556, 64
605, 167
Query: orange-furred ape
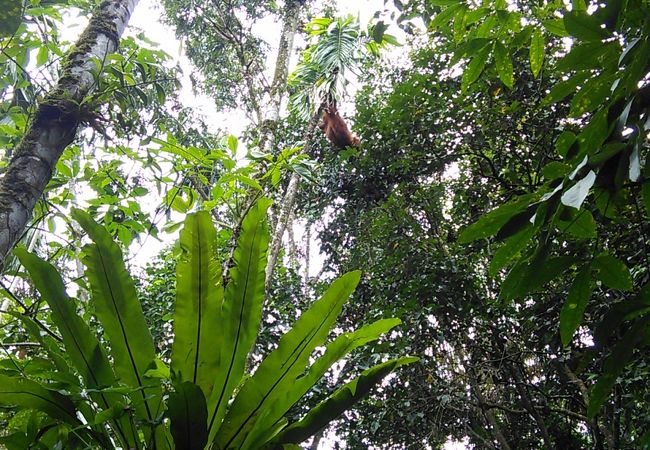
335, 128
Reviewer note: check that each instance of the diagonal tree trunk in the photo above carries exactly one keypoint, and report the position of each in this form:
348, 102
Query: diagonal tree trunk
286, 209
56, 122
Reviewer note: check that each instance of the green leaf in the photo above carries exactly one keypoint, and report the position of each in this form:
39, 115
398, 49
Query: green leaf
27, 394
199, 295
556, 26
241, 311
475, 67
536, 52
565, 88
574, 307
504, 64
82, 347
612, 272
378, 31
592, 95
445, 16
510, 249
529, 275
516, 223
489, 224
276, 375
11, 12
583, 26
233, 144
41, 56
341, 400
556, 169
334, 351
564, 143
580, 224
118, 310
188, 414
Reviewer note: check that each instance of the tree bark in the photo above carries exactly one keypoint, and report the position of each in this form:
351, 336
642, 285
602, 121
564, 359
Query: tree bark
286, 209
56, 122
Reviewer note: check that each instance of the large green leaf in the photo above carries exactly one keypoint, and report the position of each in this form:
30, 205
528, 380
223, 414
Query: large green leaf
574, 307
341, 346
188, 414
510, 249
277, 373
565, 88
504, 64
341, 400
592, 95
528, 275
490, 223
28, 394
536, 52
120, 313
199, 294
581, 25
82, 347
241, 312
475, 67
612, 272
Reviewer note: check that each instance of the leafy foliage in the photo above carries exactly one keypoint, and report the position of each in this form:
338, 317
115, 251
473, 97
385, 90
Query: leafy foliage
214, 330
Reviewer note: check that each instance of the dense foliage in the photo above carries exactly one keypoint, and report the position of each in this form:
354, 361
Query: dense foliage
498, 206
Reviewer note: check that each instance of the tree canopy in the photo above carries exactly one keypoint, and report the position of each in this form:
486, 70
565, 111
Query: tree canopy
491, 231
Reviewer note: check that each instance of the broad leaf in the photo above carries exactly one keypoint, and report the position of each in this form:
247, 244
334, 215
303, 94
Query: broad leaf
241, 312
578, 223
341, 400
28, 394
278, 372
82, 347
119, 311
536, 52
592, 95
188, 414
612, 272
510, 249
527, 276
334, 351
475, 67
199, 295
583, 26
565, 88
504, 64
490, 223
574, 307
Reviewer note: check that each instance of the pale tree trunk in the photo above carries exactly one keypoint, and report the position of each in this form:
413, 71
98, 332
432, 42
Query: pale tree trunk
286, 209
56, 121
271, 112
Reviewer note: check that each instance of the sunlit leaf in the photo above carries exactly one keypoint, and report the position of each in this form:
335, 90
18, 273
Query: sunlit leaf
504, 64
536, 52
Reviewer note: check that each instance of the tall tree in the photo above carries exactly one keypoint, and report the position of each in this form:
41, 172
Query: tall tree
57, 120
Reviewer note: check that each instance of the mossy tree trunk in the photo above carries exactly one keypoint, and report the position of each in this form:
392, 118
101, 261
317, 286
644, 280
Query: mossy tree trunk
56, 121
